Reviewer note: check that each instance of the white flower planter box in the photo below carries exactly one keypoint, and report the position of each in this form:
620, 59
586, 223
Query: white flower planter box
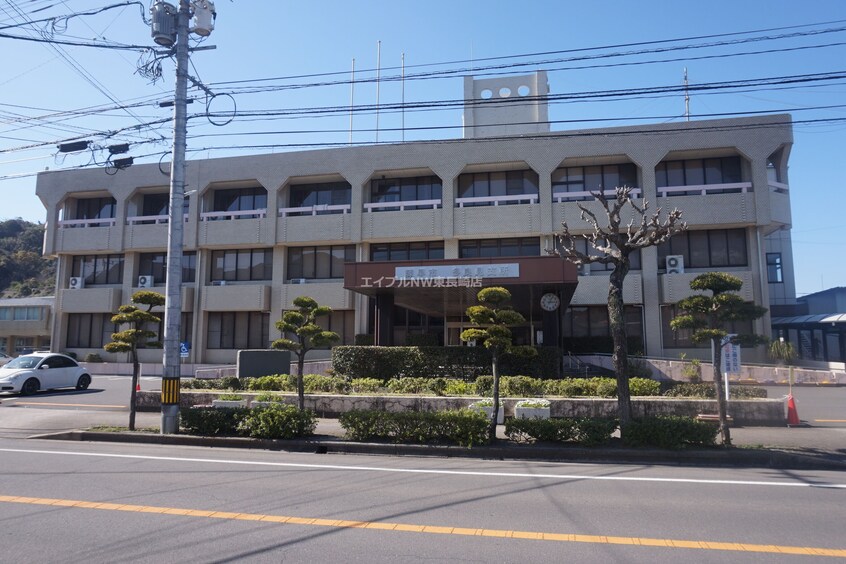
531, 412
488, 411
229, 403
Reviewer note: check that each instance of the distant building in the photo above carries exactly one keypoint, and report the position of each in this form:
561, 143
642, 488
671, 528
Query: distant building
397, 238
25, 324
820, 334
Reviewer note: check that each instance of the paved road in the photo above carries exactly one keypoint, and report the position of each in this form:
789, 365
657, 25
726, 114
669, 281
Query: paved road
818, 406
201, 505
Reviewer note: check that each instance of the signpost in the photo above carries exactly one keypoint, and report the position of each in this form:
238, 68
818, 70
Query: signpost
729, 359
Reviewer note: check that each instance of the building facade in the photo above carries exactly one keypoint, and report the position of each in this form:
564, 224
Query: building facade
25, 324
261, 230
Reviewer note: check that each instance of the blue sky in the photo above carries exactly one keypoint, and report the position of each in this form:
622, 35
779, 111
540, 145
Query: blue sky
263, 39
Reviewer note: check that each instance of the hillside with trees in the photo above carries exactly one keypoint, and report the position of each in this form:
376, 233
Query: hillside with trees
23, 271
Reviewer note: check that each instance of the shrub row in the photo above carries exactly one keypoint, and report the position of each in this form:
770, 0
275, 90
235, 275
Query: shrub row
671, 431
465, 363
272, 422
464, 427
709, 391
510, 386
583, 431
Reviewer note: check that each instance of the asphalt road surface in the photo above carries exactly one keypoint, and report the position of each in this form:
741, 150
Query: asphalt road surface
89, 502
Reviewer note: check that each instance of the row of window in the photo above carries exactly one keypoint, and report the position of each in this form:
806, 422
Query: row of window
225, 330
689, 172
24, 345
29, 313
711, 248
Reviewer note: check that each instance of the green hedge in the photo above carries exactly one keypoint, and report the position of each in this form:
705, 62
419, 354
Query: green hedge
212, 422
467, 363
670, 431
709, 391
272, 422
584, 431
464, 427
279, 422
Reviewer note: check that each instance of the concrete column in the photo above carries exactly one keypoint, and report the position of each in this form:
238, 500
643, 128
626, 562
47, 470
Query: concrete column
385, 320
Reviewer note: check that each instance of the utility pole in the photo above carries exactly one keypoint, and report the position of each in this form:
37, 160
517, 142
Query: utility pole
173, 289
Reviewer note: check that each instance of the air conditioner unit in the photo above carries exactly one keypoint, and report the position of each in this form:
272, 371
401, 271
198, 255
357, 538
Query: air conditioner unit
675, 264
218, 282
76, 282
145, 281
298, 281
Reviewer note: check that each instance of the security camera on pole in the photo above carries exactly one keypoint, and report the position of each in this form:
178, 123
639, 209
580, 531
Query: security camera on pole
170, 26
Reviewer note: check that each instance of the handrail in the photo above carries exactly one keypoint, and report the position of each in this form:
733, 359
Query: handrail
315, 209
532, 199
561, 196
703, 189
148, 219
778, 187
107, 222
403, 204
210, 216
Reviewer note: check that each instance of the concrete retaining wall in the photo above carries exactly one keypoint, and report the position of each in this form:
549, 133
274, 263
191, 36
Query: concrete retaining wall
754, 412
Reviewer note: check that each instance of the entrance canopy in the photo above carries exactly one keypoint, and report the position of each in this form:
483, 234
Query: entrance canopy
447, 287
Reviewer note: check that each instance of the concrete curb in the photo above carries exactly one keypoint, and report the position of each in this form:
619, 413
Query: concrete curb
716, 457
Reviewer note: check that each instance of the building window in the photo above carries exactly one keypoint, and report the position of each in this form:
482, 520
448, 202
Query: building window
238, 330
159, 205
24, 345
98, 270
512, 247
155, 265
26, 314
241, 265
418, 250
414, 189
319, 263
699, 172
186, 324
95, 208
775, 275
497, 185
681, 338
89, 330
707, 248
323, 194
341, 322
584, 179
240, 199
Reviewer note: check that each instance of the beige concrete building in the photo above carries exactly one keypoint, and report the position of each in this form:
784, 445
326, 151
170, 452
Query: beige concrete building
261, 230
25, 324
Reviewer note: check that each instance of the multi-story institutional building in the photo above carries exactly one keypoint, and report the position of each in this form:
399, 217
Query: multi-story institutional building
25, 324
395, 237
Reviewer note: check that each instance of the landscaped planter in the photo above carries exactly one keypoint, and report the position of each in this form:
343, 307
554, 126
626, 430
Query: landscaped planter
229, 403
531, 412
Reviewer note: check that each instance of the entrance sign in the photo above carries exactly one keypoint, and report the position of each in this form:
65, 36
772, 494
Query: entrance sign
729, 359
507, 270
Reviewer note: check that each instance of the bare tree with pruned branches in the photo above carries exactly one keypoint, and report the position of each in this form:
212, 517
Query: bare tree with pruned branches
614, 243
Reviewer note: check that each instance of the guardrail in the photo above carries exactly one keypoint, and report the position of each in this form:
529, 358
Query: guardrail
704, 189
377, 206
569, 196
72, 223
320, 209
497, 200
243, 214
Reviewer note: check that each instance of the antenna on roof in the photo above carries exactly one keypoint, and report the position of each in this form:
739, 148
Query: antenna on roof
378, 72
352, 98
686, 97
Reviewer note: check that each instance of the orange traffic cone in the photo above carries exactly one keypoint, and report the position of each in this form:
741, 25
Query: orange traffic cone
138, 386
792, 414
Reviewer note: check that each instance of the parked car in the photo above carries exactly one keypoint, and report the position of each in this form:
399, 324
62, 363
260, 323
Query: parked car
30, 373
4, 358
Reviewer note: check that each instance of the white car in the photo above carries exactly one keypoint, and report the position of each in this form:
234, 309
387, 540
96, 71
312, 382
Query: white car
30, 373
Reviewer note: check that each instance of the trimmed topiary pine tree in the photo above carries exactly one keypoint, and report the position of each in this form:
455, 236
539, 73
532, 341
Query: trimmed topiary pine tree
493, 317
128, 339
708, 316
301, 333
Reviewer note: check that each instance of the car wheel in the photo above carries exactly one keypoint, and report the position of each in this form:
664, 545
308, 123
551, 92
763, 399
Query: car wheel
83, 382
30, 387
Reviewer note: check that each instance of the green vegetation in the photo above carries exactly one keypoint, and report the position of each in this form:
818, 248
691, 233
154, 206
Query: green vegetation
464, 427
582, 431
23, 270
671, 431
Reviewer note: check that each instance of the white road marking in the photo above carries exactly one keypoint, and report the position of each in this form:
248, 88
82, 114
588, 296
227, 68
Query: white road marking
441, 472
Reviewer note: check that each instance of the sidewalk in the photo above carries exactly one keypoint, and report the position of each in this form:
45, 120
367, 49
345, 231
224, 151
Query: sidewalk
821, 448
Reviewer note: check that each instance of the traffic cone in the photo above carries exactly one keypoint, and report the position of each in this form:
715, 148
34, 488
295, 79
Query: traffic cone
792, 414
138, 386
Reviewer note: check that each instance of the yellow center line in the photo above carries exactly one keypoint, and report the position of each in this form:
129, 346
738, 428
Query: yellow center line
68, 404
428, 529
830, 420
